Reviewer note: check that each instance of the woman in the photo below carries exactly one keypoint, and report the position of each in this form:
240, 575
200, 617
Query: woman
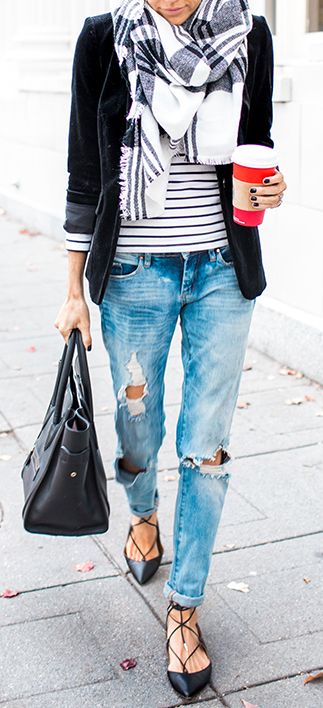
162, 92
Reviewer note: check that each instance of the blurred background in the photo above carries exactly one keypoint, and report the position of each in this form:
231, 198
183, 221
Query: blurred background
37, 40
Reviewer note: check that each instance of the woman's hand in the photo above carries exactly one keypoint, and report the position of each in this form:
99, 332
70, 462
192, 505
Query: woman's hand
74, 314
270, 195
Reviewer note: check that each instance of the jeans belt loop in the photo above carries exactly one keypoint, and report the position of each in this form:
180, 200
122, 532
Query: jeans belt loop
212, 255
147, 260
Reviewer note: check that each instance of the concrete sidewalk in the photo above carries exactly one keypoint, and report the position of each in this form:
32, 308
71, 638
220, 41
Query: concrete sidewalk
63, 637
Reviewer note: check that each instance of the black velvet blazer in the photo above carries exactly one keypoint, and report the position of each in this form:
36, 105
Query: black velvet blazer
100, 101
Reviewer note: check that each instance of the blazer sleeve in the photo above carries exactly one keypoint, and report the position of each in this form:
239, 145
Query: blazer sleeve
84, 183
261, 108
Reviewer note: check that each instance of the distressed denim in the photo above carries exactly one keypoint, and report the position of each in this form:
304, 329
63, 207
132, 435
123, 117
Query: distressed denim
145, 297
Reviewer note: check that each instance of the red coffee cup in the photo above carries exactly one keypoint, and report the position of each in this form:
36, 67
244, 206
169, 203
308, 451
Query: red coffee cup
251, 164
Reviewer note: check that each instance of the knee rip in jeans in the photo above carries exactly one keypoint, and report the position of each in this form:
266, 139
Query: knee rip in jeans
132, 394
212, 467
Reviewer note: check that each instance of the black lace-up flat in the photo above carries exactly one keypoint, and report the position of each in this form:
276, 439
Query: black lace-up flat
185, 683
144, 569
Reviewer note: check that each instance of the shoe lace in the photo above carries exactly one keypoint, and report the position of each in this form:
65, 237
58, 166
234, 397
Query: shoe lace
181, 624
144, 520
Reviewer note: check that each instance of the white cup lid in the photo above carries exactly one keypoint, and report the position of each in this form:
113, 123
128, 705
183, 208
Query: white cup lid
255, 156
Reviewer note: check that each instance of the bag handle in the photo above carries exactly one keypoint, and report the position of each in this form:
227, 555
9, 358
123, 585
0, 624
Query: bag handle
62, 376
82, 371
66, 370
61, 365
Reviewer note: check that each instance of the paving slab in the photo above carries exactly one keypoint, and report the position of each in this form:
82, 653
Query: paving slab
289, 693
21, 404
287, 487
295, 605
29, 296
273, 412
247, 563
4, 425
20, 361
98, 696
36, 321
79, 635
63, 652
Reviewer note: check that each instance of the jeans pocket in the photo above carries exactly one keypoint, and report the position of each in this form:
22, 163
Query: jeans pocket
125, 265
224, 256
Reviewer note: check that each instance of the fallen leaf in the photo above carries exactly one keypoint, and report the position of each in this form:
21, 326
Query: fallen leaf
248, 705
294, 401
9, 593
170, 478
314, 677
243, 404
5, 458
284, 371
84, 567
127, 664
241, 587
308, 397
31, 349
307, 580
29, 232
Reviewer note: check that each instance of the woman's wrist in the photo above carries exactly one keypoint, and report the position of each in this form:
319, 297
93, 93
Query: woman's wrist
75, 292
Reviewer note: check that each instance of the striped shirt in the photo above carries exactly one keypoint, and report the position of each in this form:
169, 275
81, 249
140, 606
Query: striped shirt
192, 218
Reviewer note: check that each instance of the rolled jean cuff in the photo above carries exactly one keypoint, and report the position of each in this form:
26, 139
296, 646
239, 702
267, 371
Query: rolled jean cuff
183, 600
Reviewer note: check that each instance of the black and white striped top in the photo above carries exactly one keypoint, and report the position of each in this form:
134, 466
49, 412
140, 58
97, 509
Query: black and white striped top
192, 220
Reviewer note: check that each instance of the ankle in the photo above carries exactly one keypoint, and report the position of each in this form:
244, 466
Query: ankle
137, 519
180, 614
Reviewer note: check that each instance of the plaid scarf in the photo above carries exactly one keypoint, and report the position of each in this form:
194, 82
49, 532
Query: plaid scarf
186, 84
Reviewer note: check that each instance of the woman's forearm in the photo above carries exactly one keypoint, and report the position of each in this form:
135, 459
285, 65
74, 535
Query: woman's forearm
76, 265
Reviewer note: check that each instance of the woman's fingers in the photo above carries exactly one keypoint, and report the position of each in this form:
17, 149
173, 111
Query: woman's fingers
267, 202
270, 195
63, 329
86, 336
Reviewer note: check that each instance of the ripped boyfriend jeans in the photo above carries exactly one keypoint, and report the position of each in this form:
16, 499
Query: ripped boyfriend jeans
145, 296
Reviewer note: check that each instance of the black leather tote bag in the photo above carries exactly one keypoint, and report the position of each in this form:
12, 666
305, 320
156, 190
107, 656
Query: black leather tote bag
63, 476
